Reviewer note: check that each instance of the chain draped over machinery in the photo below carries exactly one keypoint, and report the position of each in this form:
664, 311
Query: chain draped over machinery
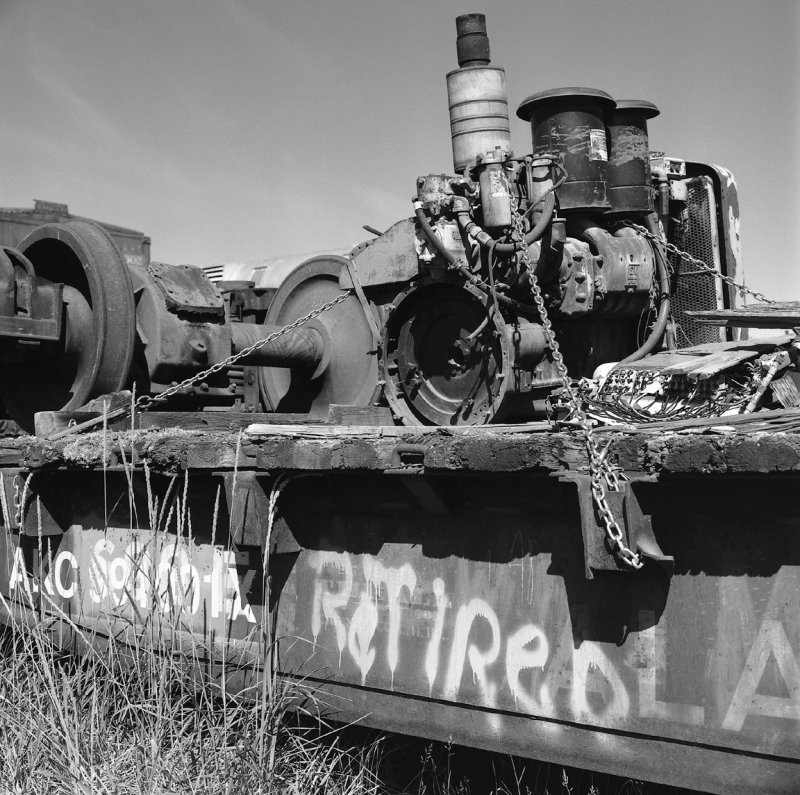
516, 277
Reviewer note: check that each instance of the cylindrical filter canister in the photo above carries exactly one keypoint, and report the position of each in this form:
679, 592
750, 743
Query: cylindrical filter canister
477, 98
629, 183
570, 123
495, 196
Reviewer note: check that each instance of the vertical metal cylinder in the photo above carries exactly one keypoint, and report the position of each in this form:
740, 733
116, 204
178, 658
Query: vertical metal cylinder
629, 183
570, 123
477, 98
495, 198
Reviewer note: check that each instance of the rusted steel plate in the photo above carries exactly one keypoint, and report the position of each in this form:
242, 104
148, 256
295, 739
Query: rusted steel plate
458, 606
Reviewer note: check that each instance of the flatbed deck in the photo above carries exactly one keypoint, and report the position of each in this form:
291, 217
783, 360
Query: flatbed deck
768, 441
451, 583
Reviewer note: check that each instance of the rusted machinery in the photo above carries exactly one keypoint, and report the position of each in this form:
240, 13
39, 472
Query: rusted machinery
443, 322
478, 585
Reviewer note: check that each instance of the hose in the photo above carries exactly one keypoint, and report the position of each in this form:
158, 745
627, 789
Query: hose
485, 239
436, 242
659, 327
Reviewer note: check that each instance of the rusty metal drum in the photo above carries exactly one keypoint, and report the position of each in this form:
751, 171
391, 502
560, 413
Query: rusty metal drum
570, 123
628, 170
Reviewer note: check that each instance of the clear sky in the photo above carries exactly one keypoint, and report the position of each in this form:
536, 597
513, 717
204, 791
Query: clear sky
236, 130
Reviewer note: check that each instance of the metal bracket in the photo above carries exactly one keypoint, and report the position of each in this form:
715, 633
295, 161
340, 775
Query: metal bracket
247, 494
407, 459
633, 506
30, 306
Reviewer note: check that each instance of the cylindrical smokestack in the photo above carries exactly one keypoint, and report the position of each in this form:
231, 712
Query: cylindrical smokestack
477, 97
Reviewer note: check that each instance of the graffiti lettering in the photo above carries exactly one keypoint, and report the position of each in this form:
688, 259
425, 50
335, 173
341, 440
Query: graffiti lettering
119, 575
770, 641
479, 660
465, 651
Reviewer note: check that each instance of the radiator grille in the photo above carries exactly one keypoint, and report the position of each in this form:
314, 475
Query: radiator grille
215, 273
696, 233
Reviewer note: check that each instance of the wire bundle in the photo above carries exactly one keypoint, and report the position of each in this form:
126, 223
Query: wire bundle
642, 396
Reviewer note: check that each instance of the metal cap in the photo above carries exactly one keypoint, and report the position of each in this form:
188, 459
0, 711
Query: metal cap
647, 109
564, 96
472, 44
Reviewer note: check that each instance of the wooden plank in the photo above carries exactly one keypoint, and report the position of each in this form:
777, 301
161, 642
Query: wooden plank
773, 418
712, 364
765, 442
360, 415
219, 420
780, 315
63, 423
327, 431
11, 451
768, 342
784, 389
669, 358
703, 361
391, 431
663, 359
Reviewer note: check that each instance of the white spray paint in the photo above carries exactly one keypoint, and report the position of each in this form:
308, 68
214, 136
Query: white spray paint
363, 624
394, 580
328, 603
432, 653
478, 660
771, 640
588, 659
521, 658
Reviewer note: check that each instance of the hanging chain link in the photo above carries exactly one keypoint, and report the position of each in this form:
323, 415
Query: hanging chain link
600, 470
20, 498
684, 255
145, 402
17, 502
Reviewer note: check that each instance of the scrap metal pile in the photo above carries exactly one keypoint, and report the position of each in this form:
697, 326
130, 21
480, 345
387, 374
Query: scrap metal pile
524, 287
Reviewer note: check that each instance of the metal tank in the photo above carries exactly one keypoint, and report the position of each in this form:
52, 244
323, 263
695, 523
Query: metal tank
628, 171
571, 123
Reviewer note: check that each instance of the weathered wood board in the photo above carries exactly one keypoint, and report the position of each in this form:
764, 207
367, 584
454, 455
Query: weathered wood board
703, 361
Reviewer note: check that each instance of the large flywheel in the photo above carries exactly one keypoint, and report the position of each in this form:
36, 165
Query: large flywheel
446, 357
348, 371
94, 352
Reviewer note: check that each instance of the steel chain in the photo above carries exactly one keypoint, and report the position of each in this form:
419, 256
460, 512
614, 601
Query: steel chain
599, 468
145, 402
16, 502
20, 499
684, 255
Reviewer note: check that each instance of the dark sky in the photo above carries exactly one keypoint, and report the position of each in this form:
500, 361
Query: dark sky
235, 130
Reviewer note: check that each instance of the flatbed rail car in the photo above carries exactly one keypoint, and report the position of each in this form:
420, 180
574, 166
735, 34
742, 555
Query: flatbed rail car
443, 582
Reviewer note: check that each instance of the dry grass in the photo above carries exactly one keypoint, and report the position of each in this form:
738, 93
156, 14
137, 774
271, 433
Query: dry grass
137, 719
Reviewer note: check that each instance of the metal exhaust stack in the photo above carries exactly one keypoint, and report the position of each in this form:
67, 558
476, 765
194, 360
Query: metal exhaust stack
477, 97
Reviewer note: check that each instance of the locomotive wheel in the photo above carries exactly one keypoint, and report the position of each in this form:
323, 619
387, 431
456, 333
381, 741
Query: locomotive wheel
96, 348
348, 373
446, 357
